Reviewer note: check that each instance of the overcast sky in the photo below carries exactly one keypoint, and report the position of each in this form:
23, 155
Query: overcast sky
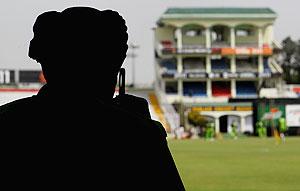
17, 18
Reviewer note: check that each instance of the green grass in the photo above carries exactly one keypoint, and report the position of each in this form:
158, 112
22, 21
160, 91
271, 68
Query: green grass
245, 164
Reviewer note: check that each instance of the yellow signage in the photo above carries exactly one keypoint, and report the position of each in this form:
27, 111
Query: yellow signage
222, 108
243, 108
204, 108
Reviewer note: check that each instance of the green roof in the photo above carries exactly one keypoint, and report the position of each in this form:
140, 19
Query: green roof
220, 10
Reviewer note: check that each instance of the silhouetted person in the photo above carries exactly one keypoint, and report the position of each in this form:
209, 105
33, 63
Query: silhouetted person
73, 133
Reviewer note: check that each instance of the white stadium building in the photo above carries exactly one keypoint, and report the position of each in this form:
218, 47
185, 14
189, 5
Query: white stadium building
206, 56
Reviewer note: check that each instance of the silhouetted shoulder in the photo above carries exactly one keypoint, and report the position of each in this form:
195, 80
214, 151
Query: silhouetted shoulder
17, 106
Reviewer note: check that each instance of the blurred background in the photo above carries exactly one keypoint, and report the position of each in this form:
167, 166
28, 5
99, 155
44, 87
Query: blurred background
223, 77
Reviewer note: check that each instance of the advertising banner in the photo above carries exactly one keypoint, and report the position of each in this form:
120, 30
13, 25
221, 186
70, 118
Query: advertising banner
293, 115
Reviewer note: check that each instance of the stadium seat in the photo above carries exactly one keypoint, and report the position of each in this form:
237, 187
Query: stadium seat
221, 89
171, 88
245, 89
221, 65
167, 46
169, 65
193, 65
194, 89
248, 64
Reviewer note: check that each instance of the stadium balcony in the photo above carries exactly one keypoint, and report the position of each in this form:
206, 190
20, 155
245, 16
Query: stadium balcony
246, 67
168, 68
246, 35
169, 64
220, 44
246, 44
221, 65
171, 88
166, 47
193, 39
246, 89
193, 89
191, 65
221, 89
193, 49
220, 36
247, 64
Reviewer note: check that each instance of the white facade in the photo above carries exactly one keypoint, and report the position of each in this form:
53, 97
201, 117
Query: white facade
208, 55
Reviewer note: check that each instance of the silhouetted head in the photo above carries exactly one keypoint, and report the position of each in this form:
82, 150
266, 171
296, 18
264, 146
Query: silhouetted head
80, 47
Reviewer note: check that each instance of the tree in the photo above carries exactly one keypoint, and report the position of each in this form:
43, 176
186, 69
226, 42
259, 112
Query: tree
196, 119
291, 60
289, 49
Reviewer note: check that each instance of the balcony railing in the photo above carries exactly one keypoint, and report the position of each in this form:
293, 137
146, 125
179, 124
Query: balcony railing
221, 44
222, 48
246, 44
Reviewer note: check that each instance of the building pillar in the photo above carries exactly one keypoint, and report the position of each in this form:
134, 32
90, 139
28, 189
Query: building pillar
207, 37
17, 76
208, 64
259, 81
178, 34
271, 36
243, 124
232, 37
233, 64
180, 88
186, 125
260, 64
217, 125
280, 86
208, 81
208, 88
179, 71
4, 76
260, 37
179, 64
233, 88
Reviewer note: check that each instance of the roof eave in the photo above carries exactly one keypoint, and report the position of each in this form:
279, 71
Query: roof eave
217, 16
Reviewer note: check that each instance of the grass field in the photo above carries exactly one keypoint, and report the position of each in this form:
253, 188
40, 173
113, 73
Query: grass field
245, 164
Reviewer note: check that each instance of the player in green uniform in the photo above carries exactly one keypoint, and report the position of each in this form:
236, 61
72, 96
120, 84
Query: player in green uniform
282, 128
210, 131
261, 129
234, 130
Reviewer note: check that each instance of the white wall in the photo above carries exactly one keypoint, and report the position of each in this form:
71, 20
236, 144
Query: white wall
8, 96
